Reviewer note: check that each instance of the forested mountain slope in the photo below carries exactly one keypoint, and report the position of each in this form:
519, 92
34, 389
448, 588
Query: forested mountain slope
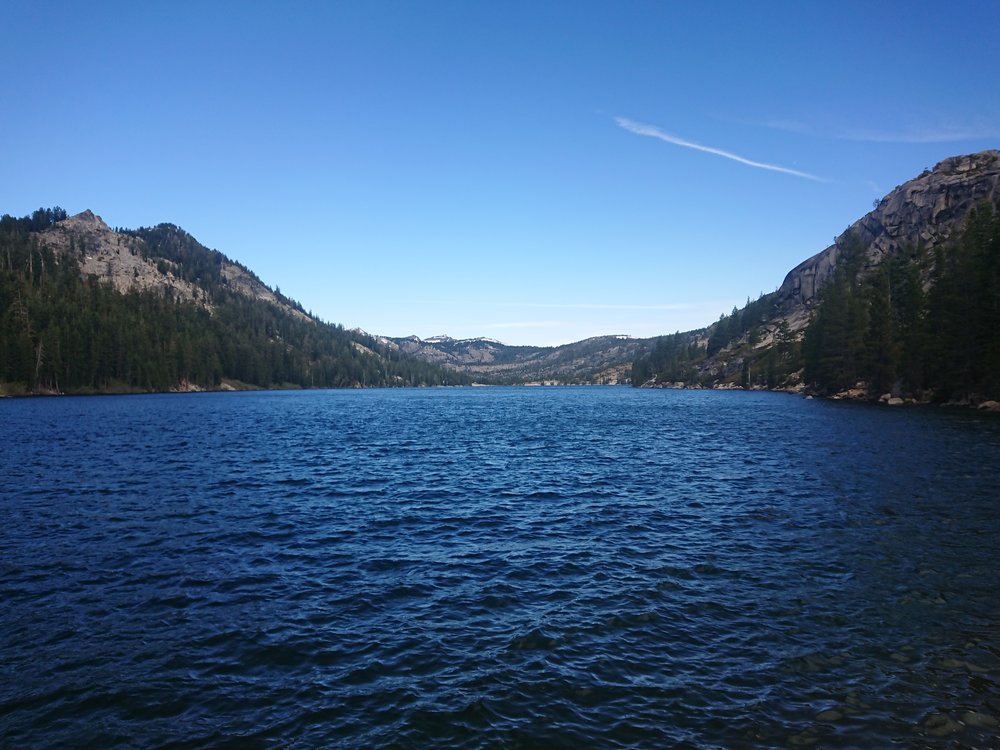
905, 303
84, 308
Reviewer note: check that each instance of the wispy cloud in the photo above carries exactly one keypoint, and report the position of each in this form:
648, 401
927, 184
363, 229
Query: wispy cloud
554, 305
654, 132
937, 133
527, 324
787, 126
945, 134
595, 306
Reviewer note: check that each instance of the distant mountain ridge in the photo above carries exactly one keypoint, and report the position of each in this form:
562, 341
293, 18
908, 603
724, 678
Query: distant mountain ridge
920, 217
597, 360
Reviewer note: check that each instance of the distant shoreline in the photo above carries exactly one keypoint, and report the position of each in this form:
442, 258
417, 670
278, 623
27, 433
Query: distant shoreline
853, 396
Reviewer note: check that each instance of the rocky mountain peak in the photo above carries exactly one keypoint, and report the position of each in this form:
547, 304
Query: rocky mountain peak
128, 263
85, 220
968, 163
119, 259
923, 213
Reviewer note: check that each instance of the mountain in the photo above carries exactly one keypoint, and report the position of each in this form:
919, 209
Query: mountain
599, 360
904, 303
919, 216
85, 308
164, 259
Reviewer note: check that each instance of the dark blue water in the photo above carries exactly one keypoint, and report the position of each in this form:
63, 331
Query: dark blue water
497, 568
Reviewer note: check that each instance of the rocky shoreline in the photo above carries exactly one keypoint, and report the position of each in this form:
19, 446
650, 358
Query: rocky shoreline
859, 393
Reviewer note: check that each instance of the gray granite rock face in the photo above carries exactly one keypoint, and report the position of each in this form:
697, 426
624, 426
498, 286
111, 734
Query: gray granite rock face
123, 261
922, 213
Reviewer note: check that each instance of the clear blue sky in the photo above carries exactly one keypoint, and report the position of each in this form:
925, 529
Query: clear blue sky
532, 172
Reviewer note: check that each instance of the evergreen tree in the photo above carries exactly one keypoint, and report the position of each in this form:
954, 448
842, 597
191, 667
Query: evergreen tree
63, 332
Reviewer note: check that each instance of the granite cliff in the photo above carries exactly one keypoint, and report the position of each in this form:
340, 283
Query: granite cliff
918, 216
127, 261
919, 232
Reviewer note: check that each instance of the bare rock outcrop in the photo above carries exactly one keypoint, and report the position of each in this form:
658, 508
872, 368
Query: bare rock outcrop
126, 262
922, 213
116, 258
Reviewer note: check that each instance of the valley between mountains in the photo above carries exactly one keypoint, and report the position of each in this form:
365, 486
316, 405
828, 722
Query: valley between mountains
905, 305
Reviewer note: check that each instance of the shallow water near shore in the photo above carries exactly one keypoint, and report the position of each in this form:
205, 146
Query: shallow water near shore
497, 567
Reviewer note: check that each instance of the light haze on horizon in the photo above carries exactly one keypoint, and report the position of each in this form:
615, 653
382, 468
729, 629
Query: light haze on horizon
533, 173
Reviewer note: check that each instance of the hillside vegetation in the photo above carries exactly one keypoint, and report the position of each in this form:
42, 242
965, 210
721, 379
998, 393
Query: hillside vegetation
161, 312
885, 330
600, 360
905, 304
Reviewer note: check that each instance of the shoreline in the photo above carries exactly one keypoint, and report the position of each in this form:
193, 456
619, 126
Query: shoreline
856, 395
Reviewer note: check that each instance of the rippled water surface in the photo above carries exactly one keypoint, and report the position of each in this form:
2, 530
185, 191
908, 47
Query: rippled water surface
508, 568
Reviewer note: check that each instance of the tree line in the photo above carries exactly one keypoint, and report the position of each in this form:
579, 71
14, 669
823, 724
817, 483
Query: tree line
65, 333
922, 324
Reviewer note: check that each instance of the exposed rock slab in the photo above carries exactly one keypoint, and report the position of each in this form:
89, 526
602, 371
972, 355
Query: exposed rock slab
924, 212
124, 261
115, 258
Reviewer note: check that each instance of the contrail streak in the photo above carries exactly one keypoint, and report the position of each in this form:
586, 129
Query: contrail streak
654, 132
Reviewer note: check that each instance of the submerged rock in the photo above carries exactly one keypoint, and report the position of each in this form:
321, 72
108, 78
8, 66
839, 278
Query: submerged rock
976, 719
803, 739
941, 725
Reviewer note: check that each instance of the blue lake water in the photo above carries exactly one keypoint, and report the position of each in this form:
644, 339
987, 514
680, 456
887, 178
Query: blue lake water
497, 568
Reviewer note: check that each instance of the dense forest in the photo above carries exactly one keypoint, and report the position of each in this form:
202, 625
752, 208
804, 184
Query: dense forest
923, 324
672, 359
60, 332
891, 331
920, 324
684, 357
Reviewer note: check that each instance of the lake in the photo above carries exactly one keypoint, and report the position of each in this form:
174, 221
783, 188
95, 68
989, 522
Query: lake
497, 568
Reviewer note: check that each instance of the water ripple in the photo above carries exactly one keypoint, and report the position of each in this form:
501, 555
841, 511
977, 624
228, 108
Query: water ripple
497, 568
